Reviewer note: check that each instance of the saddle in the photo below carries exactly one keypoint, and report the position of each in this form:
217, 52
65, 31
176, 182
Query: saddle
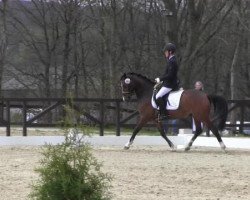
172, 98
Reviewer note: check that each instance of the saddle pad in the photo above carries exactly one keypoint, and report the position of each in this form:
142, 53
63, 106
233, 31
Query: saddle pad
173, 100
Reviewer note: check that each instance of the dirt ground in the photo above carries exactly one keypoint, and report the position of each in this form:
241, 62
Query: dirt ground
144, 173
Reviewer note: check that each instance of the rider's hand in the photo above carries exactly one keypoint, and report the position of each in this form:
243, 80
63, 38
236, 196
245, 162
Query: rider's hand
157, 80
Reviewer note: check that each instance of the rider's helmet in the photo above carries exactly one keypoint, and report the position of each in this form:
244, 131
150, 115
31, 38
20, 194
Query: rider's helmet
169, 47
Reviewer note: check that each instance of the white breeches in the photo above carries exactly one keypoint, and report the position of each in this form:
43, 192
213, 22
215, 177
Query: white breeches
162, 92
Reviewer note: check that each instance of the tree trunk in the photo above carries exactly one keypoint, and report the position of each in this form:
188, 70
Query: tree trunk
3, 41
65, 60
171, 21
195, 13
233, 116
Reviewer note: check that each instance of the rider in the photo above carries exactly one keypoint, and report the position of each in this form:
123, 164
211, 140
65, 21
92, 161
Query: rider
169, 79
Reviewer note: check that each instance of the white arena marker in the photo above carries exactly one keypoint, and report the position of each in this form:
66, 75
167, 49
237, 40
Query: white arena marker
180, 146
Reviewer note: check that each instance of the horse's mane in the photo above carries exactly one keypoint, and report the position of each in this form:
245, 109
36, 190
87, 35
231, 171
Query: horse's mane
140, 76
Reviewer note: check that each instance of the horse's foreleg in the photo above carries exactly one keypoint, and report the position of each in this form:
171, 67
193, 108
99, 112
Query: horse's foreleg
164, 135
135, 131
198, 131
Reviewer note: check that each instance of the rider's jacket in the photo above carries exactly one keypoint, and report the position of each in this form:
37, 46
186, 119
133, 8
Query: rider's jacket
170, 78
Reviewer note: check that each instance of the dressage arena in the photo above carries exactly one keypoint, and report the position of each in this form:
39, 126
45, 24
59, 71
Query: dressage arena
144, 172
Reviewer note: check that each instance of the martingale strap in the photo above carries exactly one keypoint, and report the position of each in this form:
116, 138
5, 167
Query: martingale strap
158, 86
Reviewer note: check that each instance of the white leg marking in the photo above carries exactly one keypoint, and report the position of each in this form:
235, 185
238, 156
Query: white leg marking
127, 145
173, 148
222, 145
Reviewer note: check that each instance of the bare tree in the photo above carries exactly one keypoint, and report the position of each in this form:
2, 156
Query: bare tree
40, 42
84, 46
3, 39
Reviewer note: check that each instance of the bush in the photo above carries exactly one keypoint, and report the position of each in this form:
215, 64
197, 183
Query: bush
70, 172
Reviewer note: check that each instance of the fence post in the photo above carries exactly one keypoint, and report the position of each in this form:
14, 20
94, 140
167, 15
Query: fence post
24, 118
241, 118
8, 118
101, 118
2, 109
118, 130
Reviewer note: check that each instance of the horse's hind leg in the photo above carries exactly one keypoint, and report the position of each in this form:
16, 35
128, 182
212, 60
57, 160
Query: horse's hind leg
198, 131
215, 131
163, 134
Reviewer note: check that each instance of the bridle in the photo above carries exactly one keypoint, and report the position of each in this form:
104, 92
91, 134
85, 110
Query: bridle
126, 93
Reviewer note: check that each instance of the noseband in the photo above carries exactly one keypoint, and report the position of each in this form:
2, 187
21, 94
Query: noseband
127, 93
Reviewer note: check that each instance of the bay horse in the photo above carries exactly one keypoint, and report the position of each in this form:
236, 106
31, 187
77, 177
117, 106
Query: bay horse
192, 102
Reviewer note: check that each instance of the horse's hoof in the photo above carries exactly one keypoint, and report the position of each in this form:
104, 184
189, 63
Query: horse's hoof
173, 149
126, 147
223, 146
187, 148
224, 149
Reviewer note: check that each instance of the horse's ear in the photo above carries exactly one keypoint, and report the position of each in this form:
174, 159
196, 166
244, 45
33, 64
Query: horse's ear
124, 75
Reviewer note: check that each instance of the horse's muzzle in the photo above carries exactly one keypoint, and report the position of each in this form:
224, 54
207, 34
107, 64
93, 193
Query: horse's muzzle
126, 97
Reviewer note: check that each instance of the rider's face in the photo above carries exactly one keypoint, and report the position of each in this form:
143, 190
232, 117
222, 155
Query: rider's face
167, 54
198, 86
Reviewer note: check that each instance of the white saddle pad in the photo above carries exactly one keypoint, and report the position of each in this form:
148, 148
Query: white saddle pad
173, 100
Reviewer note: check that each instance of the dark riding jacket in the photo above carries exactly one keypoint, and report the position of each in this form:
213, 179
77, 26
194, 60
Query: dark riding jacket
170, 78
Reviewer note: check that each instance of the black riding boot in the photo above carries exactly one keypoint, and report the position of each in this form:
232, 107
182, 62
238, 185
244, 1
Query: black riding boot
162, 112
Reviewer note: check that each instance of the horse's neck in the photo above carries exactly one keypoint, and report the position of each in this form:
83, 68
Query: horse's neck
145, 90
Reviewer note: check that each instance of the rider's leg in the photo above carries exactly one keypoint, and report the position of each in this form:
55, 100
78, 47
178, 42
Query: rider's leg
161, 102
164, 90
162, 109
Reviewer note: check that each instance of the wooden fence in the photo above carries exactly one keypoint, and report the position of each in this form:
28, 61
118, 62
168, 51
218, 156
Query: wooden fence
49, 104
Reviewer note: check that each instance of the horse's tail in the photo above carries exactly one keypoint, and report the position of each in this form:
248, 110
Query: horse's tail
220, 111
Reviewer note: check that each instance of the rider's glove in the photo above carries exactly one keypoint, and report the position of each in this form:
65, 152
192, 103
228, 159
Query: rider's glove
157, 80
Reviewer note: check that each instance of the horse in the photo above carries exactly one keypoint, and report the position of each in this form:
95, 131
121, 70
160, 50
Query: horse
192, 102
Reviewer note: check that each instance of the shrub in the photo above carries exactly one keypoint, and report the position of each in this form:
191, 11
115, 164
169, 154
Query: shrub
69, 172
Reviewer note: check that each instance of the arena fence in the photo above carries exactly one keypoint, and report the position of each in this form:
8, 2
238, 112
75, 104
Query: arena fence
44, 106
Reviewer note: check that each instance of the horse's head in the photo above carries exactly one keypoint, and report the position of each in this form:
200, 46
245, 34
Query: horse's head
133, 83
128, 86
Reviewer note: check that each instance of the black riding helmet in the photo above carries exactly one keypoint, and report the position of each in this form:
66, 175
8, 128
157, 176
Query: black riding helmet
169, 47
